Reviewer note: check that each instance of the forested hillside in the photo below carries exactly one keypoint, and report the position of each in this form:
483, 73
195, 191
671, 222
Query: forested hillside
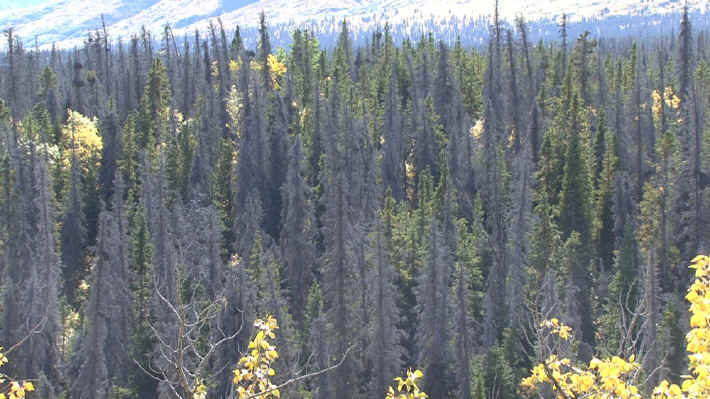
391, 205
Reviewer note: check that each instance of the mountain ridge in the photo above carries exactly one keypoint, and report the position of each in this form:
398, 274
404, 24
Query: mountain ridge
67, 23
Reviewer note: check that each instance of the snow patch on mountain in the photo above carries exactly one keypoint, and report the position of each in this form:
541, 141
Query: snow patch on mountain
68, 22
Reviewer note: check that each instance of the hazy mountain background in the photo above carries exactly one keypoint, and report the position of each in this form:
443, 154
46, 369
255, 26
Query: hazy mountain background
68, 22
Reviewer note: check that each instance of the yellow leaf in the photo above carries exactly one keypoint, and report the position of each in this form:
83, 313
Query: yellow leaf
696, 261
698, 320
400, 383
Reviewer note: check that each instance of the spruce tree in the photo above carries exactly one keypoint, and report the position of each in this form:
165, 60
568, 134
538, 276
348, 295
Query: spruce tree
297, 243
73, 236
384, 349
575, 216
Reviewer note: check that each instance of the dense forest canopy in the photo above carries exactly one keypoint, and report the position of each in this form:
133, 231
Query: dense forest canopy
391, 205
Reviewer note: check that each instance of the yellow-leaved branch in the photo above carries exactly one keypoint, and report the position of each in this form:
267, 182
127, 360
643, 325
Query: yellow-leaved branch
407, 387
253, 378
15, 389
613, 377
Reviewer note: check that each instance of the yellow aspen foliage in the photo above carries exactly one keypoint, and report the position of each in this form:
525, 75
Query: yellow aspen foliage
557, 328
276, 67
477, 129
696, 385
15, 389
407, 387
200, 390
253, 377
669, 99
612, 377
81, 136
234, 65
608, 378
